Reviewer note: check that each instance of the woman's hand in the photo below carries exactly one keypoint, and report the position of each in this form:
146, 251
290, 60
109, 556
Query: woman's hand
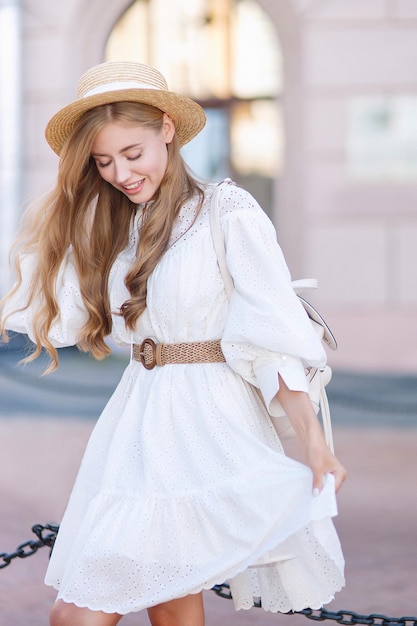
322, 461
317, 455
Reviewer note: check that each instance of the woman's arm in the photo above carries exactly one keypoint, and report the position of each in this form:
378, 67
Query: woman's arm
20, 315
317, 455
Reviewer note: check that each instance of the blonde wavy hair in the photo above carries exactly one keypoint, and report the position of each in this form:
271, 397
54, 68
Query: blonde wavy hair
87, 213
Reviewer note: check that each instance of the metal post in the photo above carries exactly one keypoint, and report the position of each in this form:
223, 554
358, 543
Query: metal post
10, 131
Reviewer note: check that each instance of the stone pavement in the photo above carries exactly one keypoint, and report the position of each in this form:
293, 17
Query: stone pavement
44, 425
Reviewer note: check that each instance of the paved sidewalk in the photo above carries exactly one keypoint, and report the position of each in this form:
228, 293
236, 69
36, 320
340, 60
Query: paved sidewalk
40, 453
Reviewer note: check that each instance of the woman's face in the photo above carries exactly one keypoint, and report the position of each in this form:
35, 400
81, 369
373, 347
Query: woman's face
133, 159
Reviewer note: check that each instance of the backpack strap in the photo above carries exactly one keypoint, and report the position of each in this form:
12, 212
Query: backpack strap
217, 236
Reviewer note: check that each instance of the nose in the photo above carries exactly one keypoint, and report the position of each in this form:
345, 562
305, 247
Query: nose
122, 171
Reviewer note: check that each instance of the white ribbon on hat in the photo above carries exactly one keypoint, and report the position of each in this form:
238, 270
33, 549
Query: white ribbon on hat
119, 86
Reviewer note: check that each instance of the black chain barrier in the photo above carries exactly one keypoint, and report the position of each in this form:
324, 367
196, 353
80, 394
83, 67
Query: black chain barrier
342, 617
46, 535
30, 547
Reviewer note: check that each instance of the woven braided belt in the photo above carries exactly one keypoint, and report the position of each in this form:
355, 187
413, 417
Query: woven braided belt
150, 353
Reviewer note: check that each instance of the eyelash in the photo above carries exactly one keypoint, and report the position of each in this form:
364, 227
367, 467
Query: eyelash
135, 158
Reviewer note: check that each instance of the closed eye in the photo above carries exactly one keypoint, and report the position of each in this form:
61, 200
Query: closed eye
102, 165
135, 157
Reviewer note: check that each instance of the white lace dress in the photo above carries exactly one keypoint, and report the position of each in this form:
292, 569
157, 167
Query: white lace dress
184, 483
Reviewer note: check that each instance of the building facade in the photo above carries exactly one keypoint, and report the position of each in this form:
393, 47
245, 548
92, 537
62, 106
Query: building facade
345, 201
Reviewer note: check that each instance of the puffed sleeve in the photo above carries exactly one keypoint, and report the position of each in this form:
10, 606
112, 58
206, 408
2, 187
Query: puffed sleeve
72, 313
267, 330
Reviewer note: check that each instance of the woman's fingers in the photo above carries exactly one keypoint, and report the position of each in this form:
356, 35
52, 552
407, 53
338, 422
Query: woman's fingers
338, 471
339, 474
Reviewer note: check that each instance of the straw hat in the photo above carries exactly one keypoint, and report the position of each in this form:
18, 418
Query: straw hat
122, 81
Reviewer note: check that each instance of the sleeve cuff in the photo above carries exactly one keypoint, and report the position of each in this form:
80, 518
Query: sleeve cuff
291, 370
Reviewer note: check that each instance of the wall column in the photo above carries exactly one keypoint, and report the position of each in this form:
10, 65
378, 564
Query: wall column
10, 131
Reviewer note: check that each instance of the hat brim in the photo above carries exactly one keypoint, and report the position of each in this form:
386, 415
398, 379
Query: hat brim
188, 116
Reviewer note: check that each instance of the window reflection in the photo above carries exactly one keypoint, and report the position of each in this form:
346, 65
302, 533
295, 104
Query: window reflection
382, 138
225, 55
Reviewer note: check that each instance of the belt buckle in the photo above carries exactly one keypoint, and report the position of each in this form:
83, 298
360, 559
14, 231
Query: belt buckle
152, 344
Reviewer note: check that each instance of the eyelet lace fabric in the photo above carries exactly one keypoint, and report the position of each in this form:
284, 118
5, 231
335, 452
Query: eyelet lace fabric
184, 483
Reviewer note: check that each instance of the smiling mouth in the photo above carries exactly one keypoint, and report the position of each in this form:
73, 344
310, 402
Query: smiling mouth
134, 187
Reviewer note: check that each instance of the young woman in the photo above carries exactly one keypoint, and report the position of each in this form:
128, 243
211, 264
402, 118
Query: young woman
184, 482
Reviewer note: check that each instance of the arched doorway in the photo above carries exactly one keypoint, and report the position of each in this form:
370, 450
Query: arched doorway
224, 54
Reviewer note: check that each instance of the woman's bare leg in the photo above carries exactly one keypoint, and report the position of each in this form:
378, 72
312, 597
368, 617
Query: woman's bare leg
187, 611
65, 614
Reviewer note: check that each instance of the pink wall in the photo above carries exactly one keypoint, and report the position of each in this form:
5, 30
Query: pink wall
358, 238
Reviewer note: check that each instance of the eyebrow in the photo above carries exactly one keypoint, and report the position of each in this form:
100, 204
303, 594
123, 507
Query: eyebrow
126, 149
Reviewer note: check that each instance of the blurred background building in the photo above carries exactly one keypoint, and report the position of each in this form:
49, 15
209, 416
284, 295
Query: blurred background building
311, 105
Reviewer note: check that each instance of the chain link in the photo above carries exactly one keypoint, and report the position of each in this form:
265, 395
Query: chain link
342, 617
46, 535
30, 547
349, 617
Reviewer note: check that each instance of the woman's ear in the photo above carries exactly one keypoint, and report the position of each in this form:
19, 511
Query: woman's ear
168, 128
